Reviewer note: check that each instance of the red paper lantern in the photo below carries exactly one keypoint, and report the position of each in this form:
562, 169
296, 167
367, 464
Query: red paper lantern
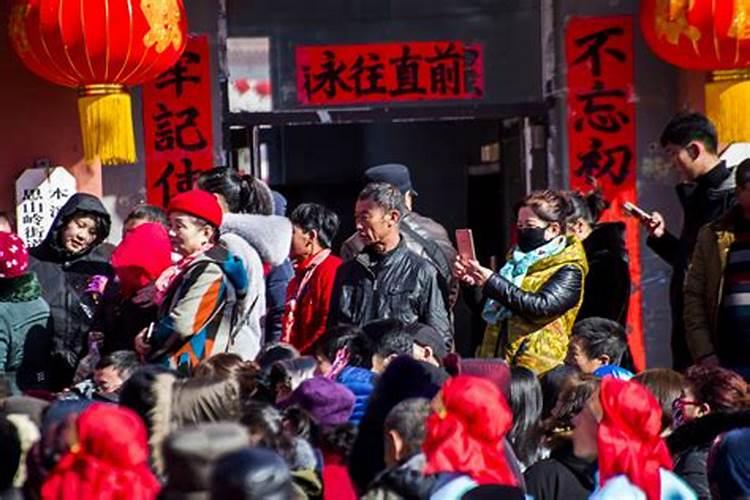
700, 35
100, 48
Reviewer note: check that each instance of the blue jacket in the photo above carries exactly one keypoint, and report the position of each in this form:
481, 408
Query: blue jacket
361, 382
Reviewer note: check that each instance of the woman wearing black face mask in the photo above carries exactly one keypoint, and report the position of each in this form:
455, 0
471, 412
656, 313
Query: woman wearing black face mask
532, 302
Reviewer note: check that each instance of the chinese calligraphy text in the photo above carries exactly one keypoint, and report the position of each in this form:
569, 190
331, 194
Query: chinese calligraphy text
389, 72
601, 132
177, 124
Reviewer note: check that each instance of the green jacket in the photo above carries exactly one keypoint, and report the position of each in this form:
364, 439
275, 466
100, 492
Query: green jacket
24, 332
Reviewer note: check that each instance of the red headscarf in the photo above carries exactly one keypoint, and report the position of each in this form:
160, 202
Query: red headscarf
629, 436
467, 434
141, 257
109, 462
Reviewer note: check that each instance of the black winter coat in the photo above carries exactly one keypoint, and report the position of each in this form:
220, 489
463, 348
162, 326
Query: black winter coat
64, 278
399, 284
690, 444
606, 291
703, 201
561, 477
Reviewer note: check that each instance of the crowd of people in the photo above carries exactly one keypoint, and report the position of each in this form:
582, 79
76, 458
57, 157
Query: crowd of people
225, 350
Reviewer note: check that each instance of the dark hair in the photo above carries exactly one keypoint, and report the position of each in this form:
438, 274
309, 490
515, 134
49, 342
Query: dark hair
742, 173
407, 418
548, 205
313, 217
5, 215
150, 213
10, 457
338, 439
720, 388
223, 365
396, 342
243, 193
684, 128
291, 372
601, 336
386, 196
252, 473
666, 385
570, 403
526, 403
298, 422
265, 425
273, 352
553, 383
124, 362
350, 337
588, 207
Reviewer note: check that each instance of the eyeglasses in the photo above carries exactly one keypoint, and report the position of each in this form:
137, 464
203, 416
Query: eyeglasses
682, 403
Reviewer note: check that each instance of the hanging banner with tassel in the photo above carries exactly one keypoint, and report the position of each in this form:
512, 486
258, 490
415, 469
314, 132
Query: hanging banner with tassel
177, 124
601, 134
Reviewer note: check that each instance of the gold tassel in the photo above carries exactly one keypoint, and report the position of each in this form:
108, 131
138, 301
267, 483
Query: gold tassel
106, 124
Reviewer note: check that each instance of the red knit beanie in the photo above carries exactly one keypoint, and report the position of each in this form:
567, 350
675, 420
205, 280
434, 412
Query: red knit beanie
198, 203
14, 258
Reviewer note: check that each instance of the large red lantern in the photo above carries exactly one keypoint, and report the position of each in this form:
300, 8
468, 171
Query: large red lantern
100, 48
707, 35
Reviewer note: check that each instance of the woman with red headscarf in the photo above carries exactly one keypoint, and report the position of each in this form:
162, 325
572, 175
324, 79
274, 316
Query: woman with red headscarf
108, 459
634, 462
464, 440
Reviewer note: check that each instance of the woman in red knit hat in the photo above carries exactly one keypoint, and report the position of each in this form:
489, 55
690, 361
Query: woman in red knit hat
465, 436
199, 297
634, 461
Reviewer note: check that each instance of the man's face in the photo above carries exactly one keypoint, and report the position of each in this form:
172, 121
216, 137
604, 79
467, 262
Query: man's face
373, 224
684, 159
577, 357
301, 244
79, 234
108, 380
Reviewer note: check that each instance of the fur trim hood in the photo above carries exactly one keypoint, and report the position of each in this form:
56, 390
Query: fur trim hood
269, 235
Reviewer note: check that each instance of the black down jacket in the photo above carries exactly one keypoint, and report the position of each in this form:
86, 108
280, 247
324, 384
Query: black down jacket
399, 284
606, 292
64, 278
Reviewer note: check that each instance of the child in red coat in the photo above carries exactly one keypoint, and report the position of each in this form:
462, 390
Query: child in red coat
309, 294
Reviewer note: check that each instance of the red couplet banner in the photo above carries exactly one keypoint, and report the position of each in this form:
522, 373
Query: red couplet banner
389, 72
601, 133
177, 126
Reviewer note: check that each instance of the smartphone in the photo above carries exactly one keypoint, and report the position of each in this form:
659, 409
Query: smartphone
465, 244
149, 333
637, 212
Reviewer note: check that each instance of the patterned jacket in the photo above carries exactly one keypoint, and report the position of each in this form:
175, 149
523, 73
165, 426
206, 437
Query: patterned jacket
200, 311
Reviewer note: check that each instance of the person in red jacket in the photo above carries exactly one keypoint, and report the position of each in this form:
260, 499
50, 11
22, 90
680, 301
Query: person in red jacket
308, 296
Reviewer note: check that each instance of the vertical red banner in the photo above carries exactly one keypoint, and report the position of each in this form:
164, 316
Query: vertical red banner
177, 126
601, 133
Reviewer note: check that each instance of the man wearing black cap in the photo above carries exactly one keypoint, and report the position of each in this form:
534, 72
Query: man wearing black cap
422, 235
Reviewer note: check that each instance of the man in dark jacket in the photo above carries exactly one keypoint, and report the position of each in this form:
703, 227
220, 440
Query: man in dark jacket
387, 280
691, 142
70, 255
422, 235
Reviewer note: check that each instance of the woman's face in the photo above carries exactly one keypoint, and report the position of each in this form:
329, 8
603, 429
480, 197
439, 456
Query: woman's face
528, 219
79, 234
187, 234
687, 407
586, 428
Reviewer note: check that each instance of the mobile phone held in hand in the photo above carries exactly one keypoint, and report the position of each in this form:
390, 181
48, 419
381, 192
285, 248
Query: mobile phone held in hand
465, 244
637, 212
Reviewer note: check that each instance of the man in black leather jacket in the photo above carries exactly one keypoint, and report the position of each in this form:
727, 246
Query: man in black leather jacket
423, 236
386, 279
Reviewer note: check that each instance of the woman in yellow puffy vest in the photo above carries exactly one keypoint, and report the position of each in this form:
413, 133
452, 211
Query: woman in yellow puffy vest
532, 302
